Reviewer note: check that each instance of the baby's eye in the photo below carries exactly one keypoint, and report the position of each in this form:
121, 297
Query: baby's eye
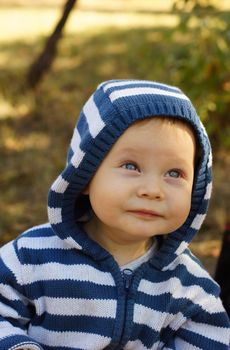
130, 166
175, 173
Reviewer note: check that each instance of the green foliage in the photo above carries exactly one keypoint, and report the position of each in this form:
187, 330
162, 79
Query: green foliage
203, 64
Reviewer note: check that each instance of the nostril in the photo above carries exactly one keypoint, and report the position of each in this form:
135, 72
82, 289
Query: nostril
157, 195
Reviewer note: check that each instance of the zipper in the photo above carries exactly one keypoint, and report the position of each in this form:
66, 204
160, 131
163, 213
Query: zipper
127, 275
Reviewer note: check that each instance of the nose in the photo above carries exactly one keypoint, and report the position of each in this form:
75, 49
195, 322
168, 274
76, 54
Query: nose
150, 187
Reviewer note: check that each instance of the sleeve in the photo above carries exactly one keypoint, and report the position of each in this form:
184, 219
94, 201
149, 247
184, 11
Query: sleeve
209, 328
16, 310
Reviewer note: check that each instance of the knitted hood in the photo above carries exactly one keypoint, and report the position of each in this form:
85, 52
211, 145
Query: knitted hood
113, 107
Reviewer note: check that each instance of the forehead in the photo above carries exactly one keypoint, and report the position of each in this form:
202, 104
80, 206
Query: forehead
163, 131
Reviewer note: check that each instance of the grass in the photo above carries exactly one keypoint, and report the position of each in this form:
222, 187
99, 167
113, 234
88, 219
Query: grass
36, 126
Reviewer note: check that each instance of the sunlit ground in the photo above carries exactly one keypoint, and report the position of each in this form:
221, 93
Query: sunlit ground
102, 39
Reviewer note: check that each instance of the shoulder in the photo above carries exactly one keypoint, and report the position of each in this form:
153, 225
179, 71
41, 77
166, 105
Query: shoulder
191, 273
42, 230
16, 254
192, 287
35, 243
37, 237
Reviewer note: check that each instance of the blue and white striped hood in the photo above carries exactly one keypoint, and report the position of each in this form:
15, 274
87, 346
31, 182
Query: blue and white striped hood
112, 108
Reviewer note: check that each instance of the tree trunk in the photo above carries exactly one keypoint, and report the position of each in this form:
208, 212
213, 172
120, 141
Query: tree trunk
45, 59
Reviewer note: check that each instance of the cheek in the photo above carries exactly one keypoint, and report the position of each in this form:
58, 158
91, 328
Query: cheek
107, 189
102, 199
183, 207
180, 204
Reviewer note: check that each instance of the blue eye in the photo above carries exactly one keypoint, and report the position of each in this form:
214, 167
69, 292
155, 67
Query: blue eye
130, 166
174, 173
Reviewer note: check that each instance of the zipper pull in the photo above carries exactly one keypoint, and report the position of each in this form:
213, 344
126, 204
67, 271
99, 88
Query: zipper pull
127, 276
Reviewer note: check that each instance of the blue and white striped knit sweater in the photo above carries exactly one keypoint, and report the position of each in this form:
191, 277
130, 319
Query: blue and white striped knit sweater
61, 290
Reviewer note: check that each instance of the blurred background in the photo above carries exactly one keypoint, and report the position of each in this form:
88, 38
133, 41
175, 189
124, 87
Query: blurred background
53, 53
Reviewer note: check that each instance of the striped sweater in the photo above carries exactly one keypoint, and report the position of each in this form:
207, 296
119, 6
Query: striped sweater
61, 290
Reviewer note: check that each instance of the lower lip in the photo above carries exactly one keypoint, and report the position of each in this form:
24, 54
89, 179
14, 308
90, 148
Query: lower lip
145, 214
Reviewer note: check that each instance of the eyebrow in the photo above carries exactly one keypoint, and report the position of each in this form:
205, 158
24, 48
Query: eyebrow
132, 149
129, 149
127, 152
139, 151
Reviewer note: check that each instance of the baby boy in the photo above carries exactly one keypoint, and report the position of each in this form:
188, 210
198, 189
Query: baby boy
112, 268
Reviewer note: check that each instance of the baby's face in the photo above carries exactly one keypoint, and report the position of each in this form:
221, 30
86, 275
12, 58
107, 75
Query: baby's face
143, 187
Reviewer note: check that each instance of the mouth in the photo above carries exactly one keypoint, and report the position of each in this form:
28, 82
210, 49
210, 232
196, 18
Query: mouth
145, 213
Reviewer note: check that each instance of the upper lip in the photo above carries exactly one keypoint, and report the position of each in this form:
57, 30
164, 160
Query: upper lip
146, 211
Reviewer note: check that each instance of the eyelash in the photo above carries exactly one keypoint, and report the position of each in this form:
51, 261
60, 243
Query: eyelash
134, 167
124, 166
178, 171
